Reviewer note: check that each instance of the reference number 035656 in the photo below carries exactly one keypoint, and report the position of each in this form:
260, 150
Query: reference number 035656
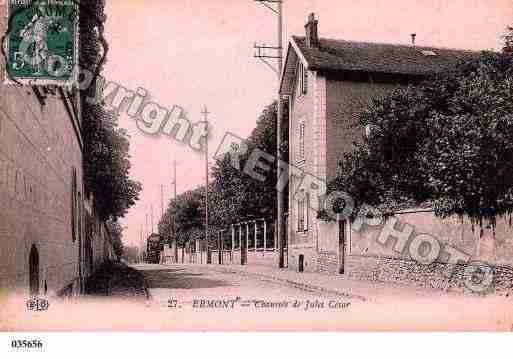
27, 344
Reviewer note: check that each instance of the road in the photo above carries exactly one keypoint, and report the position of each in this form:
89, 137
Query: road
187, 283
201, 298
188, 297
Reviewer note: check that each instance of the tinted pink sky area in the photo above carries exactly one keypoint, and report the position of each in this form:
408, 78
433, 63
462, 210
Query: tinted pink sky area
196, 52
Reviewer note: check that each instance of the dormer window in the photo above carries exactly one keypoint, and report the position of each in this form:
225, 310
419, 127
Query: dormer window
302, 79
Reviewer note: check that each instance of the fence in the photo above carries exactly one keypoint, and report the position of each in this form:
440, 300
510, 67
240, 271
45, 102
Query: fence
251, 242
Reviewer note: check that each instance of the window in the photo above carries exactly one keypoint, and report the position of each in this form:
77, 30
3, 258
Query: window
301, 154
302, 212
302, 79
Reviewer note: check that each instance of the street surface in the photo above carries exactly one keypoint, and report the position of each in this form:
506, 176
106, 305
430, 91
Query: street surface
190, 297
186, 283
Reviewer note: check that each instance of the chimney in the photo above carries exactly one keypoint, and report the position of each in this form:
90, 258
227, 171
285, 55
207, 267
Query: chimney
312, 37
413, 36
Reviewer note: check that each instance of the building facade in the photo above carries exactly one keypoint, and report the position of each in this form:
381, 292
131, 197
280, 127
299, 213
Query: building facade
40, 192
328, 83
97, 244
42, 250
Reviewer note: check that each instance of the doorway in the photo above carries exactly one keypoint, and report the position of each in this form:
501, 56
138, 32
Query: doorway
301, 266
33, 271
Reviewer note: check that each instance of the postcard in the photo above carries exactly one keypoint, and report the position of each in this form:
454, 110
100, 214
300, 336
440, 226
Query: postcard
269, 165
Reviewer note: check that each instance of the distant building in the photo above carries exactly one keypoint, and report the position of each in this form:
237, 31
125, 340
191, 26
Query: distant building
154, 247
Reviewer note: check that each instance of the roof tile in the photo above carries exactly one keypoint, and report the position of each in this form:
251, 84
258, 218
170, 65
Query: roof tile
341, 55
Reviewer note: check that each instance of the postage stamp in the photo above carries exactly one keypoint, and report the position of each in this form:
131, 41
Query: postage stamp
42, 42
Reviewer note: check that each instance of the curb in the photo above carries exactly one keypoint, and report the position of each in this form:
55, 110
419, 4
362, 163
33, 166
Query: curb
290, 283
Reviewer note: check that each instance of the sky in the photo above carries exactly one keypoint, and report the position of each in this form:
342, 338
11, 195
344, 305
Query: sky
193, 53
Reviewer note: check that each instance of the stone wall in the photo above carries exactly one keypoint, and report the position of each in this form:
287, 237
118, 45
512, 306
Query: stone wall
328, 262
38, 150
39, 147
267, 258
375, 256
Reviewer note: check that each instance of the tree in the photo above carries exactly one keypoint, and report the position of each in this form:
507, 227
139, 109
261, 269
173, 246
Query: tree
116, 236
236, 195
184, 216
447, 142
106, 146
107, 164
508, 41
233, 195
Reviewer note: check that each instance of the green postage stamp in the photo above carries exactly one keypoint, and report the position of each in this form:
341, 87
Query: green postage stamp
42, 42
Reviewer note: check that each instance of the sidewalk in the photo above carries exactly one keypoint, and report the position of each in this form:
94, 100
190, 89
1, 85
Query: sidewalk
338, 285
117, 280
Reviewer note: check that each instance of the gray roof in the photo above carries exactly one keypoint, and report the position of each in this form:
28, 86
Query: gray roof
342, 56
374, 57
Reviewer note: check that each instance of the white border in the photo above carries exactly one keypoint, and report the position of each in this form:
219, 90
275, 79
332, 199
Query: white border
261, 345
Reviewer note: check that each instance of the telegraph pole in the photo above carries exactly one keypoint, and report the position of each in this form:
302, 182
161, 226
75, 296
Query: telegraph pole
161, 201
174, 219
205, 114
262, 53
146, 225
174, 182
140, 244
151, 219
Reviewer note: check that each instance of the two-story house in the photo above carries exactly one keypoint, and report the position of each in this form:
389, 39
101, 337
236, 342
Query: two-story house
328, 83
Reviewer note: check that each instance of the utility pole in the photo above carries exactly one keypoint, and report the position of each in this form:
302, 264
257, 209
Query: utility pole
262, 53
143, 243
205, 114
174, 219
174, 182
151, 219
146, 226
161, 201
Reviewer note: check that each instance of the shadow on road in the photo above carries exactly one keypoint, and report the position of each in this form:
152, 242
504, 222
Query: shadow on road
178, 279
118, 280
